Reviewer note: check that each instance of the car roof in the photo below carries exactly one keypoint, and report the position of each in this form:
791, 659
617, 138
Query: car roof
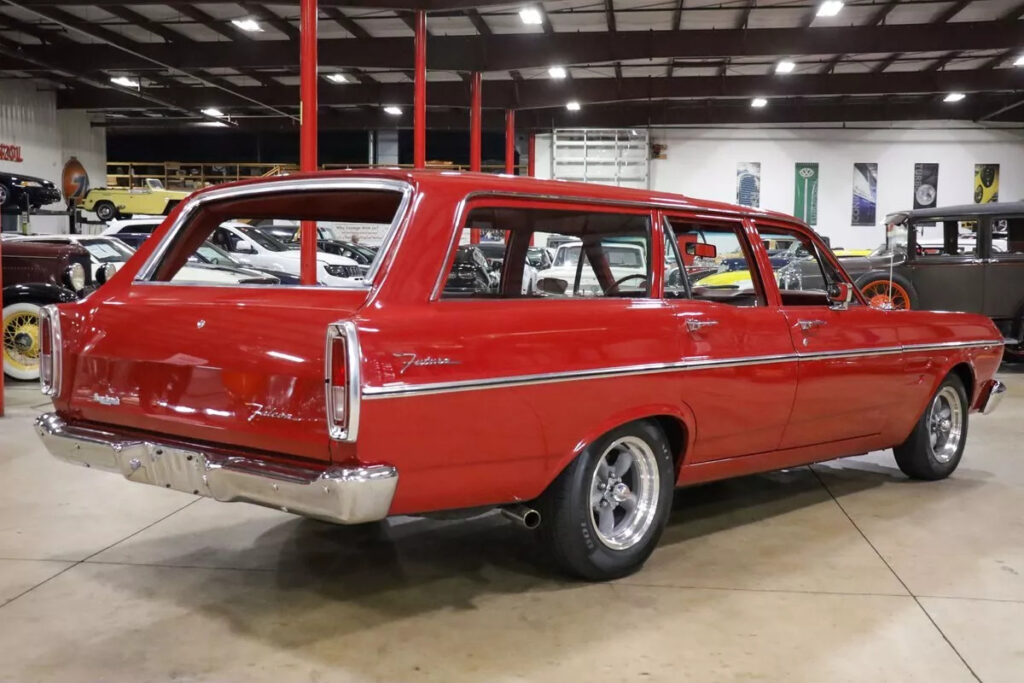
965, 210
492, 183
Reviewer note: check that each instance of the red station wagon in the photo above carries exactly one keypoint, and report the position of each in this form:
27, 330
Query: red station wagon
575, 408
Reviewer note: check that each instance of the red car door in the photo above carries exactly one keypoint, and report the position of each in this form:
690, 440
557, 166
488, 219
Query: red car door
742, 374
851, 370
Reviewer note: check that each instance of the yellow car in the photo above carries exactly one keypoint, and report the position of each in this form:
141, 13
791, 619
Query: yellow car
731, 278
151, 199
852, 252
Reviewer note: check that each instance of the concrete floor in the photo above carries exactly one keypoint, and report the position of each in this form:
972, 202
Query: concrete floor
845, 571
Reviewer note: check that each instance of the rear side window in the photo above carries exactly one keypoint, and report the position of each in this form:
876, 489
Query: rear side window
1008, 237
238, 241
508, 252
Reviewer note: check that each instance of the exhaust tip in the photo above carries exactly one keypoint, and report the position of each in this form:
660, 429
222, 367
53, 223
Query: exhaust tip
524, 516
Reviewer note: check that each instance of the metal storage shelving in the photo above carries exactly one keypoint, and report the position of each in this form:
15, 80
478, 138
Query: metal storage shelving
613, 156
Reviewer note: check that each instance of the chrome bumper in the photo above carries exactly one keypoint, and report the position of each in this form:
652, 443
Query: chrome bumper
345, 495
991, 396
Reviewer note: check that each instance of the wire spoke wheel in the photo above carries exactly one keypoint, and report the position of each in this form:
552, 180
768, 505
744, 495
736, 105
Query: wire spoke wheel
886, 294
21, 340
624, 493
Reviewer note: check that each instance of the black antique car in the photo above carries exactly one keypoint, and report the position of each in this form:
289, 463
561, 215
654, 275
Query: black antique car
36, 274
470, 274
957, 258
22, 193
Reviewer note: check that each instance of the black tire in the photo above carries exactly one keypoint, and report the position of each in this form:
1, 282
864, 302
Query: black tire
105, 211
917, 457
879, 275
568, 528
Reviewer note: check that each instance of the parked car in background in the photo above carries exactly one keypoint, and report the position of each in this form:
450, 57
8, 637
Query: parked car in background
959, 258
494, 253
106, 254
23, 193
626, 260
36, 274
470, 273
327, 241
574, 412
153, 199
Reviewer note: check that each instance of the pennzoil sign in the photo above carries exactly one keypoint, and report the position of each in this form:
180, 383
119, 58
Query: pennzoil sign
10, 153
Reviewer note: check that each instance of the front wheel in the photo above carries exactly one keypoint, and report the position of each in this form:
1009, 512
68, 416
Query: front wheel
603, 515
21, 341
933, 450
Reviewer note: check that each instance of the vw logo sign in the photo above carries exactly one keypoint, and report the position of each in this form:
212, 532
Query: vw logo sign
806, 172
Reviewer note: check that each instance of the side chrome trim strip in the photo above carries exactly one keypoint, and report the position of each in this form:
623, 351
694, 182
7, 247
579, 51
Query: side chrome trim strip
400, 390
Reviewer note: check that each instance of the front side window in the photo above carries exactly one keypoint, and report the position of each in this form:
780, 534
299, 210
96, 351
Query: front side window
597, 254
717, 262
1008, 237
946, 237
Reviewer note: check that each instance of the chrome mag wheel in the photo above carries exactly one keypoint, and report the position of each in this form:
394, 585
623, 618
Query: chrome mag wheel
945, 424
624, 493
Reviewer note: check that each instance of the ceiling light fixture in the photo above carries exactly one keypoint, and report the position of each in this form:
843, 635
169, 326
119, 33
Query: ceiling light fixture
393, 110
954, 97
557, 72
531, 16
214, 112
572, 106
1019, 61
124, 82
785, 67
248, 25
758, 102
830, 8
337, 78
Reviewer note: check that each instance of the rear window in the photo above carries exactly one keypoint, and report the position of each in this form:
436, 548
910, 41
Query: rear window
238, 227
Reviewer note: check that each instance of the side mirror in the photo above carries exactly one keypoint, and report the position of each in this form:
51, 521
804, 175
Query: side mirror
701, 250
840, 294
244, 248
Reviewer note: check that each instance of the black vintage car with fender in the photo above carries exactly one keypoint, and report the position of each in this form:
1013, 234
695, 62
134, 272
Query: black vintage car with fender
36, 274
958, 258
22, 193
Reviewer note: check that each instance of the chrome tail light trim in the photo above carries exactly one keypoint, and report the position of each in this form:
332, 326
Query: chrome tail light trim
52, 317
348, 429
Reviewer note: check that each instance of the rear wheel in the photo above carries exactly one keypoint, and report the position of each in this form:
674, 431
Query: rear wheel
933, 450
603, 515
21, 340
105, 211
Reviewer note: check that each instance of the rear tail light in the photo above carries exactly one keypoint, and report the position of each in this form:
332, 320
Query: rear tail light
49, 350
343, 381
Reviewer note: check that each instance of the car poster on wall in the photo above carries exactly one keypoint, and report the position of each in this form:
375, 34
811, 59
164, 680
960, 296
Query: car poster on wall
865, 194
748, 183
986, 183
926, 185
805, 195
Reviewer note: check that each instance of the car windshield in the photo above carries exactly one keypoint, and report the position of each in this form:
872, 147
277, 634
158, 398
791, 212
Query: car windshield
264, 240
108, 251
618, 256
209, 253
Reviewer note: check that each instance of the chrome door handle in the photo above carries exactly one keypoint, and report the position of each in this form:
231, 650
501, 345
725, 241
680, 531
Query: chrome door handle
695, 324
810, 324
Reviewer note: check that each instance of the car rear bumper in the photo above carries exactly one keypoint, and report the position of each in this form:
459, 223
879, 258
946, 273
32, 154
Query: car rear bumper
991, 396
344, 495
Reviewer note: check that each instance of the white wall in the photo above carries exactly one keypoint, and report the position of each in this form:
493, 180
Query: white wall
48, 138
701, 162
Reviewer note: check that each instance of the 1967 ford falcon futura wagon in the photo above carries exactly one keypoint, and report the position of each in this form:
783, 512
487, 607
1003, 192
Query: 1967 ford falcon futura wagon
575, 408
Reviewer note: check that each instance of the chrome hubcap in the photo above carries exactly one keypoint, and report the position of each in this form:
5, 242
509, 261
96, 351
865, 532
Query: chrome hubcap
624, 493
945, 424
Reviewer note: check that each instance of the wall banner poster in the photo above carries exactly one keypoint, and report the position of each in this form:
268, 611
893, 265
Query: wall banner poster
926, 185
865, 194
748, 183
805, 196
986, 183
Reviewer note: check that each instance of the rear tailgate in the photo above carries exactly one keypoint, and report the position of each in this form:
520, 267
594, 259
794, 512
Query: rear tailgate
238, 366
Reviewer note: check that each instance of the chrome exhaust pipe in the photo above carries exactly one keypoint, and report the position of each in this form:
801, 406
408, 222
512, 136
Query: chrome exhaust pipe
521, 514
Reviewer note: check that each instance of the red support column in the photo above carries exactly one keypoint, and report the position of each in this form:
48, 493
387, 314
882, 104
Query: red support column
307, 129
476, 98
419, 122
531, 156
510, 141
